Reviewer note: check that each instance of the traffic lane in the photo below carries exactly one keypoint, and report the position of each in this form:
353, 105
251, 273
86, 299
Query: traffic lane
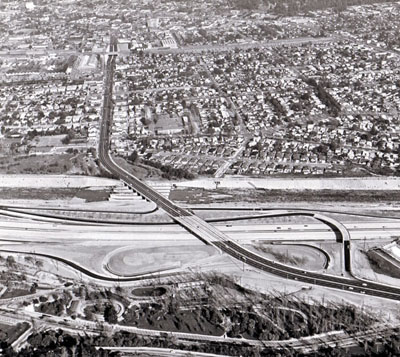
313, 278
234, 250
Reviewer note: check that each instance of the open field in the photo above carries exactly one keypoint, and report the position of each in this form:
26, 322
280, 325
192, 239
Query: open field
14, 292
69, 192
250, 198
54, 181
200, 195
99, 209
314, 184
120, 257
89, 195
48, 141
233, 216
48, 164
86, 255
373, 202
10, 333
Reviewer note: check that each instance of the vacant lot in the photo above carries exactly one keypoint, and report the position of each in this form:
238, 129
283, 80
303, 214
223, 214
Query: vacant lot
89, 195
48, 164
11, 293
199, 195
48, 141
314, 184
10, 333
55, 181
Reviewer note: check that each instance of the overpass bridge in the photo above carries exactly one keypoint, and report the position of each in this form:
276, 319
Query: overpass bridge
210, 234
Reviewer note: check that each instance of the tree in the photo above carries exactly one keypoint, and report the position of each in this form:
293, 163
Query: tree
10, 261
133, 157
110, 314
32, 290
67, 139
373, 130
39, 264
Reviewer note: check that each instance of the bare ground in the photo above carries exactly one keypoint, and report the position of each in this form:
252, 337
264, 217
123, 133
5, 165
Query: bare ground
309, 183
130, 261
362, 266
306, 257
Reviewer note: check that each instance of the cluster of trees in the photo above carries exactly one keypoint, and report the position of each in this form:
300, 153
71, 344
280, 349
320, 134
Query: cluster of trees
56, 307
169, 315
70, 135
58, 131
260, 317
104, 172
324, 96
60, 343
10, 262
133, 156
323, 318
248, 324
284, 320
276, 104
94, 309
110, 314
390, 347
169, 171
101, 303
321, 149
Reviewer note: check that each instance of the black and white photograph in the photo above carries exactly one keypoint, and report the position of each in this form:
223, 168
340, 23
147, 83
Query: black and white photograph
215, 178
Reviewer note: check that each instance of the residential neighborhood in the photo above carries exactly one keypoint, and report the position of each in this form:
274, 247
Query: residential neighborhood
205, 178
231, 93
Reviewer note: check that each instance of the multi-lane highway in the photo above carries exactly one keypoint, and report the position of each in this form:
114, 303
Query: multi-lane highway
210, 234
24, 230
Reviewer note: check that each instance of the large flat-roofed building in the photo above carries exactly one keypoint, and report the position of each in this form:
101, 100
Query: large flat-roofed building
88, 63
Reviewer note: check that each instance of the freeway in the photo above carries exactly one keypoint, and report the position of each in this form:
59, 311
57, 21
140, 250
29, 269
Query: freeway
25, 230
213, 236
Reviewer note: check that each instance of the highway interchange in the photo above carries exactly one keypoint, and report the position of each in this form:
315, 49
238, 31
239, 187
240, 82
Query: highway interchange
209, 234
223, 236
20, 225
